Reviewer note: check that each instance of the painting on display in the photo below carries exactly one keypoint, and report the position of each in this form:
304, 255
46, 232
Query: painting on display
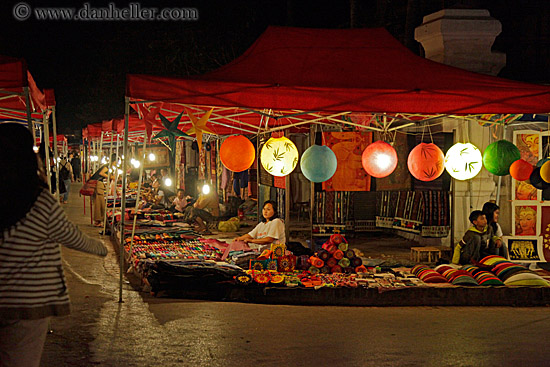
528, 144
545, 232
525, 220
523, 249
161, 153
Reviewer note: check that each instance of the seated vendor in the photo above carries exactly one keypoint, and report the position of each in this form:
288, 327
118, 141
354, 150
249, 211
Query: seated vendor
270, 230
205, 209
180, 202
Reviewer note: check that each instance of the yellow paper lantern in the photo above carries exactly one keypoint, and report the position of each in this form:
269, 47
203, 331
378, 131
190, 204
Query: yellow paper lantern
279, 156
463, 161
545, 172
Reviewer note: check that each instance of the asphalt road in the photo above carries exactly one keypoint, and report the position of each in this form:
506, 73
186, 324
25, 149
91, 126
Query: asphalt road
148, 331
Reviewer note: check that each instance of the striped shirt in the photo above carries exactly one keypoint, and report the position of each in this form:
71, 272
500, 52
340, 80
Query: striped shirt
32, 283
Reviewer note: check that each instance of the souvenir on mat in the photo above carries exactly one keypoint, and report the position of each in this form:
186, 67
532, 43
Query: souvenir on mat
286, 264
278, 250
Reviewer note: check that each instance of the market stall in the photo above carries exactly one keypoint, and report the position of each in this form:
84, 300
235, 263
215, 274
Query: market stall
362, 80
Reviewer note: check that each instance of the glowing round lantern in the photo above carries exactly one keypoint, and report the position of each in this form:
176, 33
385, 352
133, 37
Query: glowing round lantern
521, 170
237, 153
379, 159
545, 172
463, 161
318, 163
279, 156
537, 181
425, 162
499, 156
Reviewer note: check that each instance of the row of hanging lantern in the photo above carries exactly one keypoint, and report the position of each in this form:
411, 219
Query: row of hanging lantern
426, 161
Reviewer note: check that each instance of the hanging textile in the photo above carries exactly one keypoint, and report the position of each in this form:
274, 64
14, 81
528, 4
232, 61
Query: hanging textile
348, 148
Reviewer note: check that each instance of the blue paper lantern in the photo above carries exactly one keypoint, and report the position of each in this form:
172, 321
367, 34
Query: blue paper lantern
318, 163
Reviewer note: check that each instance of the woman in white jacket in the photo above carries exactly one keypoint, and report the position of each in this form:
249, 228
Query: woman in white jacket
32, 224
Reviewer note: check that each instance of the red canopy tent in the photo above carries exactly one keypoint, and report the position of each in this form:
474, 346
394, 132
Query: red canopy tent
297, 74
16, 83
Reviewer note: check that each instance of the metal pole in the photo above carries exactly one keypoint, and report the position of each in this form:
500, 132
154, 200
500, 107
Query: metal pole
123, 199
47, 150
108, 185
28, 108
138, 192
500, 177
55, 155
311, 192
115, 174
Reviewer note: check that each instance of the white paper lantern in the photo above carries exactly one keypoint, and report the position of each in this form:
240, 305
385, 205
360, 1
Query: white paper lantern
463, 161
279, 156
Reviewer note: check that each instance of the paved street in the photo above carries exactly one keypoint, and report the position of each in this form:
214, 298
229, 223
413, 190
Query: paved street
147, 331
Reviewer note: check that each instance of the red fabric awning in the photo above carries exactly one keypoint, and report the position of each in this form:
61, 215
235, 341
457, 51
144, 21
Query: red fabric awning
14, 77
331, 70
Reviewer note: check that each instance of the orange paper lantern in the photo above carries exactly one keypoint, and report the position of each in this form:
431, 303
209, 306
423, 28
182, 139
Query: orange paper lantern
521, 170
379, 159
237, 153
425, 162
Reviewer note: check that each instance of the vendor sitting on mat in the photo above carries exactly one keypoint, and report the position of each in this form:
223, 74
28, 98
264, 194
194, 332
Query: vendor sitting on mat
180, 202
206, 209
270, 230
476, 241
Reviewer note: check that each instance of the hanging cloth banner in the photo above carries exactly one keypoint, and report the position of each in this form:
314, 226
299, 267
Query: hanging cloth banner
348, 148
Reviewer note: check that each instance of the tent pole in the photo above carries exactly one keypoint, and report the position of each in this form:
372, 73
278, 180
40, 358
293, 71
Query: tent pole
47, 150
109, 186
123, 198
115, 175
55, 155
500, 177
311, 192
138, 193
287, 206
28, 108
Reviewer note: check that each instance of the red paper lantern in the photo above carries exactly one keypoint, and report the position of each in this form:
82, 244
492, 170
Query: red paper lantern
521, 170
426, 162
237, 153
379, 159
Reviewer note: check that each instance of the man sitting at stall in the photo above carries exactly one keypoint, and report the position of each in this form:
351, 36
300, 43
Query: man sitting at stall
475, 243
205, 210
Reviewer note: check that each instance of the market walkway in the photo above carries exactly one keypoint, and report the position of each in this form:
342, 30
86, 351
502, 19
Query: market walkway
146, 331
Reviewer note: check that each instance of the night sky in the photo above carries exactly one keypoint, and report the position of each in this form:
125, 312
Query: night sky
86, 62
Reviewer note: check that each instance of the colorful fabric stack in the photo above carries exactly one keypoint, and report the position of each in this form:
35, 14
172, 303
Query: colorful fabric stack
190, 249
457, 276
483, 277
427, 275
334, 257
512, 274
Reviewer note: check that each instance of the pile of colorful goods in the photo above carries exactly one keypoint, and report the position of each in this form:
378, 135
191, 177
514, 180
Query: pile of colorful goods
334, 257
184, 249
512, 274
427, 275
457, 276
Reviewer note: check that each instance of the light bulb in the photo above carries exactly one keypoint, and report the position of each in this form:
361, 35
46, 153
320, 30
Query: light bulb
152, 157
383, 161
35, 149
136, 163
206, 189
167, 181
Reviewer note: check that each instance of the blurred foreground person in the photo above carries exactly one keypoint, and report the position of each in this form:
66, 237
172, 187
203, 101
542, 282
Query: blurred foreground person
32, 224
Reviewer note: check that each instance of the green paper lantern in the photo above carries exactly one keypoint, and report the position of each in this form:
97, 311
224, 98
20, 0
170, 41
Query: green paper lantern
499, 156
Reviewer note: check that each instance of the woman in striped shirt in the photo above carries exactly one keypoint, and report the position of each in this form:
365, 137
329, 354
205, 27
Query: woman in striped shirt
32, 224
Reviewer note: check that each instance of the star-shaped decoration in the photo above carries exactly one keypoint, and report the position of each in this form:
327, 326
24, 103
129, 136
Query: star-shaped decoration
170, 131
199, 126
